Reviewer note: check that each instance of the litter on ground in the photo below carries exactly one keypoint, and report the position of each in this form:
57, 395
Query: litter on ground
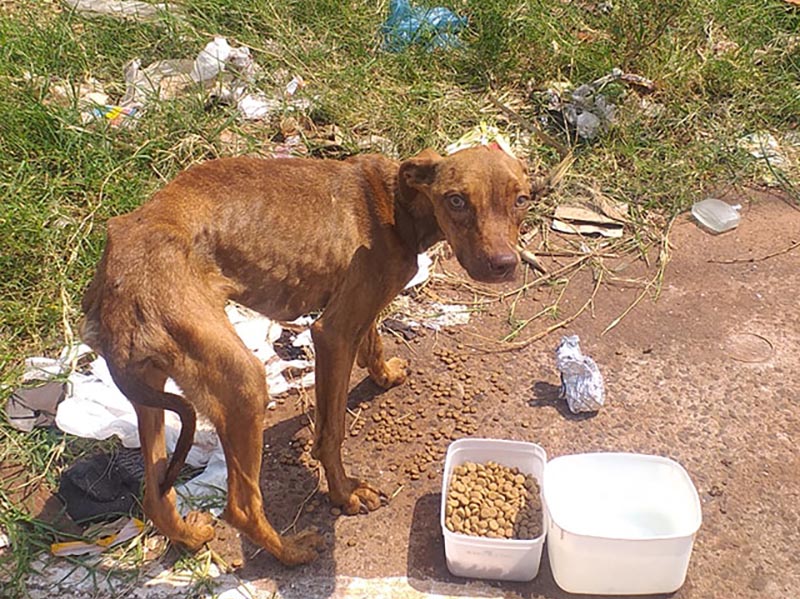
482, 135
585, 108
432, 28
133, 10
716, 215
596, 214
29, 407
219, 72
131, 528
581, 381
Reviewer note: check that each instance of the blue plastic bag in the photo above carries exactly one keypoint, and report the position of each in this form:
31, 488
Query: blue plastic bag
433, 27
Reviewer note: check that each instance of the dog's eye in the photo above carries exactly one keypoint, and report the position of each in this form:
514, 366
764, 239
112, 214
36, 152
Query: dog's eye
521, 201
456, 201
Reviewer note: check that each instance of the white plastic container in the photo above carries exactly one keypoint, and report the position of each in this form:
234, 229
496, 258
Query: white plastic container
716, 215
619, 523
480, 557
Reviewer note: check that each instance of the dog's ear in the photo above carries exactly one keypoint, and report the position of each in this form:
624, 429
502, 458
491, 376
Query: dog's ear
540, 187
419, 172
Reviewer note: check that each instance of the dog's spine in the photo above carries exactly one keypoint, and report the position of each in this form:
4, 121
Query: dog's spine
139, 392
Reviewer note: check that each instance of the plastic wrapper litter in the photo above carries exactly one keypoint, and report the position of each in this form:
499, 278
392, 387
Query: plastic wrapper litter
581, 382
433, 28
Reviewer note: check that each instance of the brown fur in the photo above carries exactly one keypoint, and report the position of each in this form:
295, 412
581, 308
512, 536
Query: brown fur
284, 237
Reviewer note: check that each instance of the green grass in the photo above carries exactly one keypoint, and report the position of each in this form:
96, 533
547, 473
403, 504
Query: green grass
60, 180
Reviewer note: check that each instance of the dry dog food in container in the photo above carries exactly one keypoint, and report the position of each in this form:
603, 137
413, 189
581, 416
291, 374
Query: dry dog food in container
491, 511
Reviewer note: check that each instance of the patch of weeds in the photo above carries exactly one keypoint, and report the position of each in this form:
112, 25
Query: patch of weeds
199, 570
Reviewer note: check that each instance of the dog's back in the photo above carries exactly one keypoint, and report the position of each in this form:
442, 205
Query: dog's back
275, 235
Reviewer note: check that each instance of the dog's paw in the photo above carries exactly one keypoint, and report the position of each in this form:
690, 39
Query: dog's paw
199, 530
362, 498
301, 548
395, 372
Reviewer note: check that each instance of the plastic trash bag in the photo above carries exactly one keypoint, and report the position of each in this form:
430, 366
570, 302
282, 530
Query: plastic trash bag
432, 27
585, 109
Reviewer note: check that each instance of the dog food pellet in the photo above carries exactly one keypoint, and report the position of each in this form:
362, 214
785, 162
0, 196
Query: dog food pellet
492, 500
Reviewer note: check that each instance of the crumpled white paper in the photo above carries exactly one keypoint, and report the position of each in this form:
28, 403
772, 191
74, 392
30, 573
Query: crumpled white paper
217, 56
424, 263
255, 106
763, 145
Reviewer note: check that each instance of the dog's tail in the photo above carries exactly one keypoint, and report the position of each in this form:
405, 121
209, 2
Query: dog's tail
139, 392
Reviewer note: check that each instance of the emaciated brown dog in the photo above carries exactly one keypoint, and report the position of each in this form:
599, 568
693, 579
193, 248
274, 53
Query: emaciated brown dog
284, 237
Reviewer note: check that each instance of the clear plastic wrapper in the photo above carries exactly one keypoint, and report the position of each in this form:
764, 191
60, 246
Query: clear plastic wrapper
716, 215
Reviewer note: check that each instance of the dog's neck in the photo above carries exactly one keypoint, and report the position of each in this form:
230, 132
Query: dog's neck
415, 220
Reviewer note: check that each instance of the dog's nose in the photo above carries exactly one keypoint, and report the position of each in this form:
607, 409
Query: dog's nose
503, 264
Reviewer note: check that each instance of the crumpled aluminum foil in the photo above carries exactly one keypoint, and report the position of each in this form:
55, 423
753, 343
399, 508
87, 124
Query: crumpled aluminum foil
581, 381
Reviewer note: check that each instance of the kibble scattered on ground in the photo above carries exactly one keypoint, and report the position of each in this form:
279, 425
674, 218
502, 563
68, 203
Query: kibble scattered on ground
412, 432
455, 390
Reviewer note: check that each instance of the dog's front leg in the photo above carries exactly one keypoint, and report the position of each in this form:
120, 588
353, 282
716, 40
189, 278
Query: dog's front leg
335, 346
345, 329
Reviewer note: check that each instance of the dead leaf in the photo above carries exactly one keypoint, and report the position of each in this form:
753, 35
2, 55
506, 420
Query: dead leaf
613, 209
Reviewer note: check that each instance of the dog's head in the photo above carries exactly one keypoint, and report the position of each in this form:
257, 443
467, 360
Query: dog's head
479, 197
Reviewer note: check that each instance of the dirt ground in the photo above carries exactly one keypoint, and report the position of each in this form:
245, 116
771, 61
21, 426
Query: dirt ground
704, 376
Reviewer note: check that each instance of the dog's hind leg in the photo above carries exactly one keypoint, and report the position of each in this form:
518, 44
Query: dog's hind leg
193, 532
387, 373
229, 382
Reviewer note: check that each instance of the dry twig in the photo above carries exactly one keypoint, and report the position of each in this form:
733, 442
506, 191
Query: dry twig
355, 416
304, 502
509, 346
786, 250
551, 308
